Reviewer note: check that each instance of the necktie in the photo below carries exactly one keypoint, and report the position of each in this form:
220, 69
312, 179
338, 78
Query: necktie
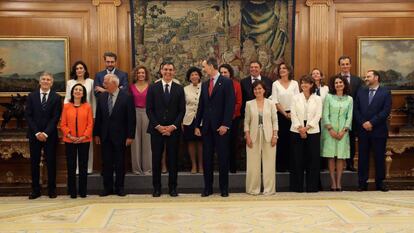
210, 86
110, 104
254, 80
318, 91
371, 95
44, 101
166, 93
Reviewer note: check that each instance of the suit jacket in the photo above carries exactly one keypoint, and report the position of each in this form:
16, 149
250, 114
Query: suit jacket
247, 90
40, 120
251, 119
356, 83
164, 113
313, 115
377, 112
118, 126
216, 110
99, 78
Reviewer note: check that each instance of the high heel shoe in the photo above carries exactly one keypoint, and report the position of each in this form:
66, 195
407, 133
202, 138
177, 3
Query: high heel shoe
338, 189
333, 189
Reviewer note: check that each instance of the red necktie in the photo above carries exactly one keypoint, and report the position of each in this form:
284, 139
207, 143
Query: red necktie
210, 86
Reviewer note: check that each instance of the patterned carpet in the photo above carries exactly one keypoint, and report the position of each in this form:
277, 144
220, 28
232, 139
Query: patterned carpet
283, 212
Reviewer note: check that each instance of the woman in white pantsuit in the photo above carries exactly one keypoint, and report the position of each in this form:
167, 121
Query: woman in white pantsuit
260, 127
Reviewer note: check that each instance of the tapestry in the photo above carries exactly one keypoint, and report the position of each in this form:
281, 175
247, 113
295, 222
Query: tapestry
235, 32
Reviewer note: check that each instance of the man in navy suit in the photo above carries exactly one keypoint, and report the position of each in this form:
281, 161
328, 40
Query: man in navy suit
355, 83
213, 120
43, 108
246, 84
114, 130
110, 64
165, 109
372, 107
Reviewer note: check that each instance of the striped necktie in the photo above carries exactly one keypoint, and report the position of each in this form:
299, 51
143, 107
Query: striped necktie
110, 104
44, 101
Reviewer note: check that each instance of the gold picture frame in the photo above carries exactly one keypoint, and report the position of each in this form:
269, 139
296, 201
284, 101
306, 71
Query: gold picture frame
393, 57
23, 58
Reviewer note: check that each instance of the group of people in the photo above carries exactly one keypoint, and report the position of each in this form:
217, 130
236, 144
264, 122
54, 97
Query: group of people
288, 125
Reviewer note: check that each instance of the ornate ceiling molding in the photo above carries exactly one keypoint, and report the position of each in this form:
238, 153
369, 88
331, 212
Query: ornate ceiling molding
115, 2
319, 2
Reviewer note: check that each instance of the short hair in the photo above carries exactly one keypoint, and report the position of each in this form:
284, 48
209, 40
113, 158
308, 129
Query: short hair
229, 68
308, 79
375, 73
332, 89
45, 73
212, 61
191, 70
110, 54
112, 78
288, 67
166, 63
343, 57
256, 61
135, 72
73, 70
261, 83
72, 98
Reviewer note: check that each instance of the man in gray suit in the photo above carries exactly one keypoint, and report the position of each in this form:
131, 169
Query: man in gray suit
355, 83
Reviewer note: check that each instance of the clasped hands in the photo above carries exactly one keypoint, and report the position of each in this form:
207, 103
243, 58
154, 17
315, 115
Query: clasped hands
76, 139
165, 130
221, 130
367, 126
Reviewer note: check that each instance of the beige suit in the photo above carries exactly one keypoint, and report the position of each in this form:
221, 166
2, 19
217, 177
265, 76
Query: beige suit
262, 150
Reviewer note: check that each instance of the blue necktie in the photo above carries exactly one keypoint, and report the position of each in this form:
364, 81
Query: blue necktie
371, 95
44, 101
110, 104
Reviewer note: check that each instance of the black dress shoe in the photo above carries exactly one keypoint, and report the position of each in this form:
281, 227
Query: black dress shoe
105, 193
52, 194
361, 189
156, 193
224, 194
383, 188
351, 169
121, 193
34, 195
206, 193
73, 196
173, 193
82, 195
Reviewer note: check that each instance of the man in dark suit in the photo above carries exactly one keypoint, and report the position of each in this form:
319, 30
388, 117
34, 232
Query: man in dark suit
246, 84
110, 64
43, 108
165, 109
214, 115
355, 83
372, 107
114, 130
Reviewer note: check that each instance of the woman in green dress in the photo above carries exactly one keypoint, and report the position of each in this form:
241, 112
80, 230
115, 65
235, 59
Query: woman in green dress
336, 122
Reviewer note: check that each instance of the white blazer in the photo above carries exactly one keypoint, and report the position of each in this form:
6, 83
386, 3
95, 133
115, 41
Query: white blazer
313, 115
324, 90
251, 119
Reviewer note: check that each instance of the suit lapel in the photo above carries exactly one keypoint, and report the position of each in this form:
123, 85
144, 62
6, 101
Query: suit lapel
218, 84
105, 103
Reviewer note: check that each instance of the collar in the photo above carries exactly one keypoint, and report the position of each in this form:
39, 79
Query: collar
116, 93
215, 77
164, 82
258, 77
47, 92
346, 74
374, 88
110, 72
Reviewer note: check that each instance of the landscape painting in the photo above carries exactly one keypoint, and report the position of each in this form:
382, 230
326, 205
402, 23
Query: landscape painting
392, 57
23, 59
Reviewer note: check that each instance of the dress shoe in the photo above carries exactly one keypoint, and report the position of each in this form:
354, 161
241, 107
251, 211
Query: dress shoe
383, 188
338, 189
224, 194
121, 193
82, 195
156, 193
351, 169
52, 194
362, 188
105, 193
173, 193
73, 196
34, 195
206, 193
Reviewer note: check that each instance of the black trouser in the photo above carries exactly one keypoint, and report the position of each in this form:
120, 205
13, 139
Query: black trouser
350, 161
49, 148
157, 146
234, 143
113, 156
213, 142
305, 157
283, 144
365, 144
80, 151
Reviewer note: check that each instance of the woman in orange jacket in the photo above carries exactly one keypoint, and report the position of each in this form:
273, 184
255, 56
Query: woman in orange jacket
76, 125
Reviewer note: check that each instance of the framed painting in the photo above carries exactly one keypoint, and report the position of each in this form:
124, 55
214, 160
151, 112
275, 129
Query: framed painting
23, 59
393, 57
